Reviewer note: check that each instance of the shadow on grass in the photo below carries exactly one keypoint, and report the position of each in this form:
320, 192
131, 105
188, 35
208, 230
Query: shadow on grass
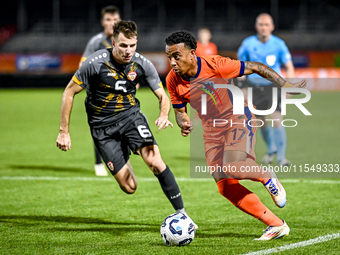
47, 168
66, 219
226, 234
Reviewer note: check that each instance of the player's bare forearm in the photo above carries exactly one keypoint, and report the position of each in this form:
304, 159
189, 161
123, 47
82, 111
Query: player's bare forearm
164, 105
181, 116
290, 70
66, 105
63, 140
270, 74
183, 121
264, 71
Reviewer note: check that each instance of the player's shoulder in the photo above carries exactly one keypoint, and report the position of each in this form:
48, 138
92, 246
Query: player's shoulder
250, 40
96, 38
214, 60
99, 57
276, 39
143, 61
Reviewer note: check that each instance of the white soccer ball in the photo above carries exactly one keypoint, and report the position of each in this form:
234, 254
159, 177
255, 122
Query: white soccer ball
177, 230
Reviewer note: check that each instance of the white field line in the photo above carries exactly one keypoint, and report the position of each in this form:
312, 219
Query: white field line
55, 178
319, 239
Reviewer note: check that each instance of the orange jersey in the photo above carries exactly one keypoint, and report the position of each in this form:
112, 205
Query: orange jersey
211, 70
208, 49
214, 70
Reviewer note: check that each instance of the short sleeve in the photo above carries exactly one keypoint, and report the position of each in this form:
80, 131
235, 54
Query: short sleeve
151, 74
229, 68
84, 73
176, 100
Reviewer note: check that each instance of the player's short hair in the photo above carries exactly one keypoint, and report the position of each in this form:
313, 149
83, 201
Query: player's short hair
128, 28
182, 36
110, 9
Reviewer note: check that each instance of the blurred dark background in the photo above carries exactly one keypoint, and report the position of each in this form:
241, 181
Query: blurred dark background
62, 28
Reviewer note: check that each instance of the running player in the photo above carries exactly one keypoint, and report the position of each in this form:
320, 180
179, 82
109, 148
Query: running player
272, 51
114, 116
110, 15
186, 82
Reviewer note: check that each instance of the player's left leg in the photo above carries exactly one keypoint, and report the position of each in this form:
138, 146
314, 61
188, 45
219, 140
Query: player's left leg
142, 142
239, 162
245, 200
152, 158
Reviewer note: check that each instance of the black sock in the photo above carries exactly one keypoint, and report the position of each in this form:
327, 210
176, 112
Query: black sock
170, 188
97, 155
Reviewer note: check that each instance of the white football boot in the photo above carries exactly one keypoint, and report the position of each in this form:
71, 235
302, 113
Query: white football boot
274, 232
276, 191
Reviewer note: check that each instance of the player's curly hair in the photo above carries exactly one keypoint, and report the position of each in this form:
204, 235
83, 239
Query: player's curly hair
182, 36
128, 28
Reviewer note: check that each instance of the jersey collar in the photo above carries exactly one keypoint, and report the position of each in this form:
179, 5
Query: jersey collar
198, 70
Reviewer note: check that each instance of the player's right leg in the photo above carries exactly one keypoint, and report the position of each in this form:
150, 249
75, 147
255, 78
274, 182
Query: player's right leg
126, 179
115, 153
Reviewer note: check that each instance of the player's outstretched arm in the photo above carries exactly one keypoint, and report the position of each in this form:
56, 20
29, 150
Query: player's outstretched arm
183, 121
270, 74
164, 106
64, 140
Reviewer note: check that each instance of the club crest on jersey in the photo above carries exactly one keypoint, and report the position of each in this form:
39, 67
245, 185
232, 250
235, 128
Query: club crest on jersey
110, 165
132, 75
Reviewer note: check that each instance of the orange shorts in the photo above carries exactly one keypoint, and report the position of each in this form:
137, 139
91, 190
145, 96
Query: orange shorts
234, 135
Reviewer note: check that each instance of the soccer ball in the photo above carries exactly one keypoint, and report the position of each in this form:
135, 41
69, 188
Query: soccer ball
177, 230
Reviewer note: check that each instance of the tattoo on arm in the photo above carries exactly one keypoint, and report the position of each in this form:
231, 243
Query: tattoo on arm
181, 117
265, 72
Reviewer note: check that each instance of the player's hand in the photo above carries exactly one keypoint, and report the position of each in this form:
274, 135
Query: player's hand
301, 84
64, 141
163, 121
186, 128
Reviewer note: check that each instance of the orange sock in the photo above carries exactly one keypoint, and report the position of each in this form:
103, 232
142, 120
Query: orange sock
247, 201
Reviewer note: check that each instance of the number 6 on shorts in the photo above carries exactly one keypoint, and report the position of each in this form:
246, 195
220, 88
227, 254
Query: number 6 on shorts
144, 131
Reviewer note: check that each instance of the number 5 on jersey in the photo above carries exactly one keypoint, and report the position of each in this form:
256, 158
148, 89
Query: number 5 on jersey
119, 87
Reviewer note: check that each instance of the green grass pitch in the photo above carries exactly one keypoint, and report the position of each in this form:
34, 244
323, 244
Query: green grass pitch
52, 203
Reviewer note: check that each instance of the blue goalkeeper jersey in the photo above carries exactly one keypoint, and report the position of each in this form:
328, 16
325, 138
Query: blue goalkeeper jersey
272, 53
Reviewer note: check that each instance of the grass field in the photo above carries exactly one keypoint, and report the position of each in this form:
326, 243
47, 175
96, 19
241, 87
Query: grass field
52, 203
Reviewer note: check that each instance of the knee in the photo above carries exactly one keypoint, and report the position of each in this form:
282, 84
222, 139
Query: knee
156, 165
128, 188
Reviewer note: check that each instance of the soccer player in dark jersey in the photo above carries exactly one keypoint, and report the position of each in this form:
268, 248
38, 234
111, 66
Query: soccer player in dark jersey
114, 116
110, 15
103, 40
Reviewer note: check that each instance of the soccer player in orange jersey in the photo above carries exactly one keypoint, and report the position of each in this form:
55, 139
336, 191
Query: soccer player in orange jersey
204, 45
186, 82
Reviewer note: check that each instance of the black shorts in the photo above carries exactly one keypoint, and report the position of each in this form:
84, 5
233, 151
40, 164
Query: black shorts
115, 142
263, 96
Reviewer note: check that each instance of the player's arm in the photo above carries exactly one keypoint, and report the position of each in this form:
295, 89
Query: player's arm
270, 74
64, 140
183, 121
164, 106
289, 69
